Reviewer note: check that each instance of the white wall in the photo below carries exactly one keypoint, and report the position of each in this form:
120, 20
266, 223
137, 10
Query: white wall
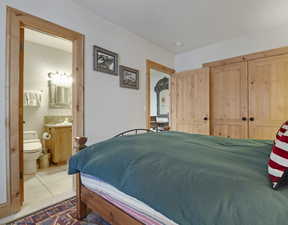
260, 41
36, 68
108, 108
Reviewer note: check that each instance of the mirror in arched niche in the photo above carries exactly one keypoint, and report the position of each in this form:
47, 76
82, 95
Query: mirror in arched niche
162, 96
159, 99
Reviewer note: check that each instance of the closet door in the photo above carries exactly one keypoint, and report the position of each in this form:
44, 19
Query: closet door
229, 113
268, 96
190, 101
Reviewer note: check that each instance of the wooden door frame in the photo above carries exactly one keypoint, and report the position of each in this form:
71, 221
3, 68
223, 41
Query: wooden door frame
16, 21
161, 68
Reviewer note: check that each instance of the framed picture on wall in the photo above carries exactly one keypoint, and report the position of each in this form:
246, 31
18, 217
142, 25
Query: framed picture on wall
129, 78
105, 61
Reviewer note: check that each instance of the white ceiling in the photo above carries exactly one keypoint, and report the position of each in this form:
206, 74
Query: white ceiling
195, 23
48, 40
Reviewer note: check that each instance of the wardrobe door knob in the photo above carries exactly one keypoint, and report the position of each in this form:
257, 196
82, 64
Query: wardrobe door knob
244, 118
251, 118
205, 118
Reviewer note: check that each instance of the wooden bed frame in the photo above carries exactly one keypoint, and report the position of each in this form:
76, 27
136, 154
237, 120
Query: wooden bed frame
88, 200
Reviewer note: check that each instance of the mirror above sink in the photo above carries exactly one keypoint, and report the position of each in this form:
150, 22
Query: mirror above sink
60, 90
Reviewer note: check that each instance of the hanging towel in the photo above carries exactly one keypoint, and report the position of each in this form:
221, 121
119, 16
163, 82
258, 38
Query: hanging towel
32, 98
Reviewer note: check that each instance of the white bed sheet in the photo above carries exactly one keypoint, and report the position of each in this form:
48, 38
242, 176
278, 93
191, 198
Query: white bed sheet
131, 205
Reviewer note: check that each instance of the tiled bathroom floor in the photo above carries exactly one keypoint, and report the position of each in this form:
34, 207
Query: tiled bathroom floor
47, 187
47, 183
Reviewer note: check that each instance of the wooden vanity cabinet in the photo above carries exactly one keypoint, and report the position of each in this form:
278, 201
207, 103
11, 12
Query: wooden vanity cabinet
60, 144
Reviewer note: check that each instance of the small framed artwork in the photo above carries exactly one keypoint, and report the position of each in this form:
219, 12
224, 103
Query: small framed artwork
129, 78
105, 61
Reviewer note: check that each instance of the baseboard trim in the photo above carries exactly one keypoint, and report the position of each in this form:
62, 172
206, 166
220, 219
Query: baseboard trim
5, 210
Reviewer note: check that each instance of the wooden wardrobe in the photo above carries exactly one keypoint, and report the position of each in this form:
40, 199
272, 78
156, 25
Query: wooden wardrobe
241, 97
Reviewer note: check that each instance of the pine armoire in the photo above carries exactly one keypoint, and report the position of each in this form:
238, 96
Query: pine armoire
241, 97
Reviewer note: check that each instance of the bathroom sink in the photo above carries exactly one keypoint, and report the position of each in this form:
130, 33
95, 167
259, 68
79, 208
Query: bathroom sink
59, 125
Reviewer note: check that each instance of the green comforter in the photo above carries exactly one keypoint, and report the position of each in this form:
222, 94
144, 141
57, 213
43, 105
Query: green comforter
191, 179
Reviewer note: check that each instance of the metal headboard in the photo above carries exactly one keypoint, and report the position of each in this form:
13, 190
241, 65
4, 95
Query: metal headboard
133, 131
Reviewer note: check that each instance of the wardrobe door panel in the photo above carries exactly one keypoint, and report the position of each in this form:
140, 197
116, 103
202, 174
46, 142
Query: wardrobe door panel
190, 101
229, 100
268, 95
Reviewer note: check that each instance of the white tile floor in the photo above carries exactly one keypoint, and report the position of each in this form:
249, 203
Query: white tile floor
47, 187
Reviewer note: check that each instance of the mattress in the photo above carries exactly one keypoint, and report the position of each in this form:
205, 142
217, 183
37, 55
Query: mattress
189, 178
130, 205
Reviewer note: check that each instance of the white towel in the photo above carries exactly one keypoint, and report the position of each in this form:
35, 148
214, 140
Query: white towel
32, 98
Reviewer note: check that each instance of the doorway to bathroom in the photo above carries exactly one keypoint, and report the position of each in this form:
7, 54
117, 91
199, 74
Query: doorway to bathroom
47, 118
45, 71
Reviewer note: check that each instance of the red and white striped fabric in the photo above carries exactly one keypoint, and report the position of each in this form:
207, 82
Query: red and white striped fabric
278, 162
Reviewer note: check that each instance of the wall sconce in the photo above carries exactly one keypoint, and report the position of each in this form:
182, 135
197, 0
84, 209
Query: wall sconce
60, 79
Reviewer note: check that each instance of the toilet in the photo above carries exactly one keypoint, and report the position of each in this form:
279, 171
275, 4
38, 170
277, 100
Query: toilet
32, 151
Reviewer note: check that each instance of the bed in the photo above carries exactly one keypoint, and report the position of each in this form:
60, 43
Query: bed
179, 178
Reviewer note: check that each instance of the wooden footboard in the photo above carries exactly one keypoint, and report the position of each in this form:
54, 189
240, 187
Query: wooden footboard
88, 200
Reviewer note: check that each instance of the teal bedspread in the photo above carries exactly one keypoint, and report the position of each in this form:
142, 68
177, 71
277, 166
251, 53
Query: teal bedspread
191, 179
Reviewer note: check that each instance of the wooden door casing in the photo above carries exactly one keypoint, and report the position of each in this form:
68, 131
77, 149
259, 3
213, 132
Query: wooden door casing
160, 68
190, 101
268, 95
229, 96
15, 21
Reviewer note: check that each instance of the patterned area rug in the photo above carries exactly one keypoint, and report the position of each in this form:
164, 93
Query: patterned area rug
63, 213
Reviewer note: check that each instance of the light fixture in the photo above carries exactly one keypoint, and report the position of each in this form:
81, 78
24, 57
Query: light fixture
178, 43
60, 79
